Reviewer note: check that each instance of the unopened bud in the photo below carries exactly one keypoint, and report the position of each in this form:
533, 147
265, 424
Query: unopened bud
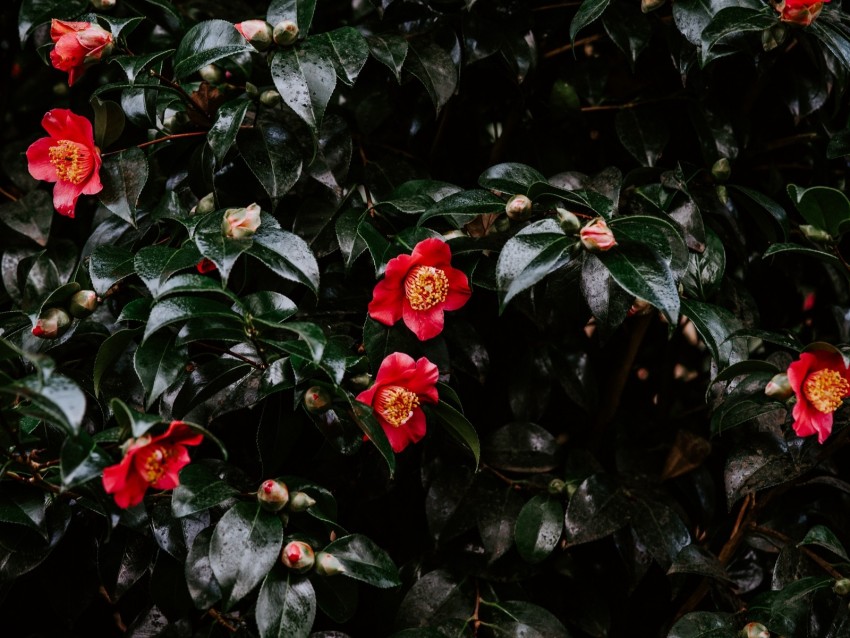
721, 170
755, 630
362, 380
270, 98
51, 323
298, 556
556, 487
640, 307
251, 90
103, 4
597, 237
317, 399
773, 37
722, 193
814, 233
518, 208
328, 565
842, 586
273, 495
83, 303
779, 387
301, 502
205, 266
651, 5
572, 488
568, 221
205, 205
212, 74
259, 33
241, 223
454, 233
285, 32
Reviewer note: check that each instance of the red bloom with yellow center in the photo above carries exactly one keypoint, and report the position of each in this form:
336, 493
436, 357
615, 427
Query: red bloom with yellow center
77, 44
400, 388
68, 157
150, 461
802, 12
821, 381
418, 288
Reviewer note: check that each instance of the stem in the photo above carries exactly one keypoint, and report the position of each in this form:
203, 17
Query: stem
572, 45
233, 354
6, 193
630, 105
188, 98
221, 620
766, 531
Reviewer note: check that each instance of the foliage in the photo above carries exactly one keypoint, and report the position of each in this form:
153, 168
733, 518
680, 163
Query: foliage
649, 208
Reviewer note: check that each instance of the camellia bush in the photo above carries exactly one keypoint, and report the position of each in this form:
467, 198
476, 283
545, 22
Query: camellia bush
425, 318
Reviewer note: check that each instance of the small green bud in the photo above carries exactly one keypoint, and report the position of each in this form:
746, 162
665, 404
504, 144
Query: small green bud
83, 303
773, 37
556, 487
721, 170
212, 74
251, 90
569, 222
273, 495
205, 205
779, 387
815, 234
362, 380
298, 556
51, 323
651, 5
301, 502
328, 565
270, 98
842, 586
755, 630
285, 32
317, 399
518, 208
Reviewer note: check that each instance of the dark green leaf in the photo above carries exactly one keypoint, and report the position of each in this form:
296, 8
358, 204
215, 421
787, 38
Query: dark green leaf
285, 253
273, 156
109, 352
31, 216
389, 49
705, 624
822, 206
365, 418
643, 134
123, 174
521, 447
286, 606
36, 12
527, 620
129, 420
705, 270
213, 244
200, 489
363, 560
159, 362
433, 66
109, 122
458, 427
776, 214
56, 399
510, 178
81, 460
108, 265
133, 65
628, 28
306, 82
203, 587
597, 509
299, 11
205, 43
715, 325
824, 537
735, 20
464, 206
346, 48
222, 133
696, 559
176, 309
786, 249
538, 528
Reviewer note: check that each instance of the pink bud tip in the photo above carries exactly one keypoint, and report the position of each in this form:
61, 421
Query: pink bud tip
293, 554
268, 486
38, 331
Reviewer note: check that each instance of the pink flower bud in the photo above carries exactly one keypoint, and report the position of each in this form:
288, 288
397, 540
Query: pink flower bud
317, 399
597, 237
779, 387
518, 208
51, 323
258, 32
205, 265
285, 32
273, 495
241, 223
298, 556
755, 630
301, 502
83, 303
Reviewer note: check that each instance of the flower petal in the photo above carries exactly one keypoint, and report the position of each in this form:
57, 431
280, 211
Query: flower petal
432, 252
425, 324
459, 291
394, 368
65, 196
386, 304
38, 160
171, 479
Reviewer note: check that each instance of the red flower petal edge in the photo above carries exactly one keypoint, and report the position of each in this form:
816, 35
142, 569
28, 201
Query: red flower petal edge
821, 381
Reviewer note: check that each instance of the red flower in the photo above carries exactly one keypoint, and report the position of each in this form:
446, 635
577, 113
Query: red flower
150, 461
205, 265
418, 288
77, 44
401, 386
68, 157
802, 12
597, 237
821, 381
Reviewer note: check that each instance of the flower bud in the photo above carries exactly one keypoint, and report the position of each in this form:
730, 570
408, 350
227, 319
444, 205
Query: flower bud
773, 37
518, 208
273, 495
640, 307
841, 586
259, 33
251, 90
328, 565
721, 170
51, 323
317, 399
454, 233
301, 502
814, 233
83, 303
241, 223
362, 381
597, 237
779, 387
205, 205
285, 33
722, 194
212, 74
568, 221
556, 487
651, 5
755, 630
270, 98
298, 556
205, 265
103, 4
96, 42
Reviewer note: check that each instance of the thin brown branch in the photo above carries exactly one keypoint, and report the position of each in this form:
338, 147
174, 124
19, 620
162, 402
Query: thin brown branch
6, 193
572, 45
766, 531
221, 620
236, 355
190, 101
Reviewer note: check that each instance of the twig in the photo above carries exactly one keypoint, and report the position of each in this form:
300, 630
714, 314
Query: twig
766, 531
232, 354
221, 620
192, 102
6, 193
631, 105
572, 45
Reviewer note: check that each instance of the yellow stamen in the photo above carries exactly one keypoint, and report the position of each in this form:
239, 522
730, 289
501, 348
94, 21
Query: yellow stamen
73, 161
425, 287
155, 464
396, 404
825, 389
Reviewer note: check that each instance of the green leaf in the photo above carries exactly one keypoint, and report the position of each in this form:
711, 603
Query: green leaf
200, 580
133, 65
363, 560
589, 11
109, 352
643, 134
205, 43
153, 264
705, 270
56, 399
24, 506
527, 620
364, 417
299, 11
628, 28
244, 547
119, 26
786, 249
824, 537
36, 12
598, 508
109, 121
715, 325
286, 606
696, 559
129, 420
346, 48
137, 310
658, 234
538, 528
31, 216
822, 206
305, 81
159, 362
351, 244
510, 178
458, 427
464, 206
389, 49
123, 174
213, 244
176, 309
222, 133
521, 447
285, 253
200, 488
81, 460
640, 272
274, 157
433, 66
519, 259
735, 20
705, 624
788, 611
776, 215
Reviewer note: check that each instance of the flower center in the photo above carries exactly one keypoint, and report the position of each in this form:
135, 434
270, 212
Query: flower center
396, 404
73, 161
425, 287
825, 389
155, 463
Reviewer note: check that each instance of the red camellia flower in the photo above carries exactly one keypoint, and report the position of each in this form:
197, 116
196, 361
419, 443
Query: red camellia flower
401, 385
77, 45
68, 157
150, 461
802, 12
821, 382
418, 288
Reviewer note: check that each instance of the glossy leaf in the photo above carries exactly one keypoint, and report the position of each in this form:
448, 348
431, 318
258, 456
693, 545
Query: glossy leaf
589, 11
205, 43
390, 50
538, 528
458, 427
306, 83
222, 134
200, 488
159, 362
299, 11
433, 66
123, 176
273, 156
285, 253
363, 560
286, 605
